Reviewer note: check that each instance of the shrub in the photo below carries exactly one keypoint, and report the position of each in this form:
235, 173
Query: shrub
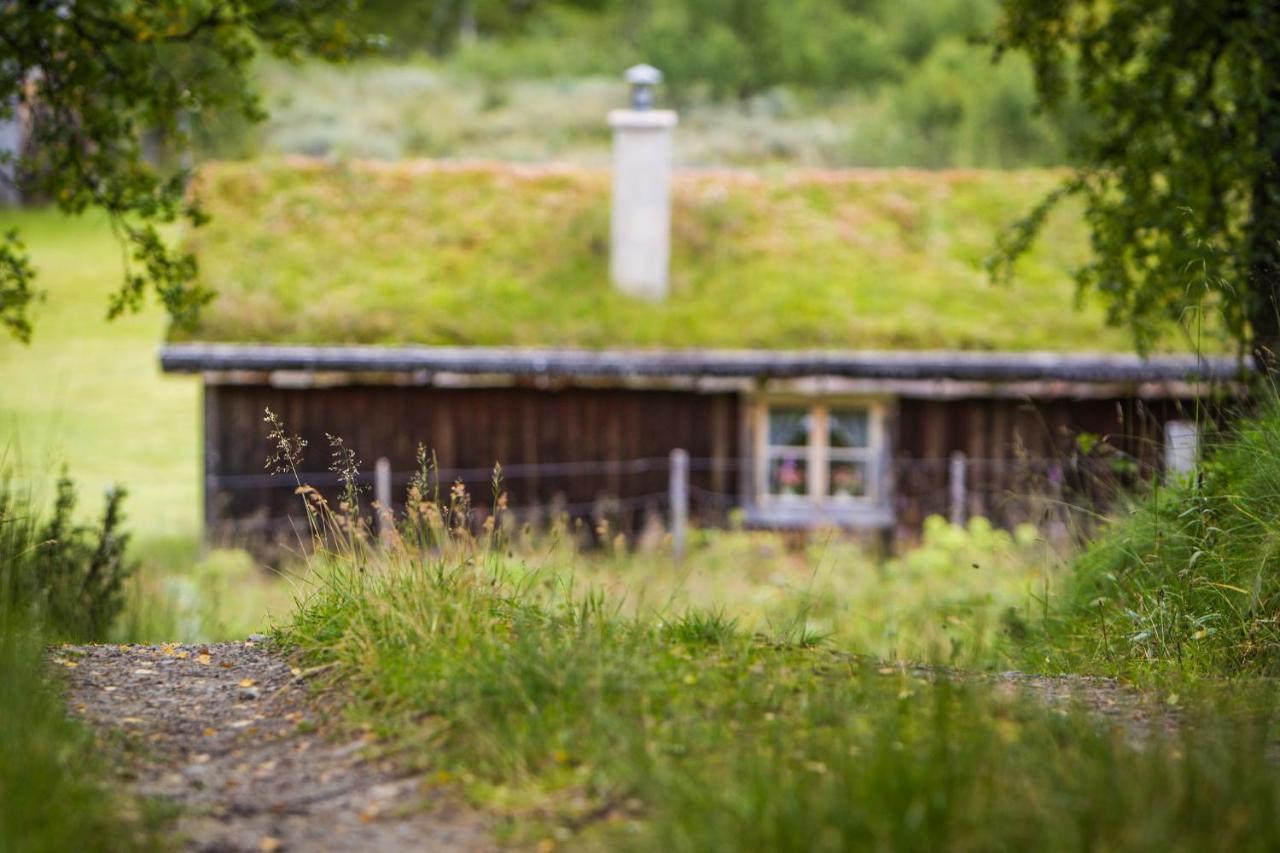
65, 574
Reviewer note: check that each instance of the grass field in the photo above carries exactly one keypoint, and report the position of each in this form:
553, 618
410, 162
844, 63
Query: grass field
88, 394
675, 729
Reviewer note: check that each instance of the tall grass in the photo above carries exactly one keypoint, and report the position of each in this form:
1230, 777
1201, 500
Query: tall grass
683, 731
1186, 579
58, 579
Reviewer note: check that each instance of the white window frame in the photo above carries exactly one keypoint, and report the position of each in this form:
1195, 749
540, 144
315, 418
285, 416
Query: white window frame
818, 454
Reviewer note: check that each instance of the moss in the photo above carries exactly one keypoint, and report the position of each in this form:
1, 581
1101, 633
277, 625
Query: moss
433, 253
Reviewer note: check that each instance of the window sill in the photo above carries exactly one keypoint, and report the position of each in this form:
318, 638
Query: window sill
800, 514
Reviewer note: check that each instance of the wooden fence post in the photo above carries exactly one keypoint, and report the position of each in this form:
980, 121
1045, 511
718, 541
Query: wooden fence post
958, 470
679, 499
382, 494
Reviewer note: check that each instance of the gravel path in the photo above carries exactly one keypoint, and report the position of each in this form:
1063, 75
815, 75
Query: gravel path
229, 732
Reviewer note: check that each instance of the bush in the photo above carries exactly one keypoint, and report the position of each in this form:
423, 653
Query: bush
1189, 576
66, 575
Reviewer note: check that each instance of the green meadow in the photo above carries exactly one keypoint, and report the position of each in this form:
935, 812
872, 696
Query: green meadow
88, 394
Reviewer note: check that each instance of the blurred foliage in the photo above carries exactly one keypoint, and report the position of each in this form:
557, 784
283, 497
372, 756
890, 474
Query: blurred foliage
1180, 170
961, 595
818, 82
94, 81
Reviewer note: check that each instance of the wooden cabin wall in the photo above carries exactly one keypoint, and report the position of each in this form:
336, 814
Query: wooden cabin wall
1023, 459
470, 429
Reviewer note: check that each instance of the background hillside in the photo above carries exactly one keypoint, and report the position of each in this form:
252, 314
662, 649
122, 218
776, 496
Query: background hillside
810, 82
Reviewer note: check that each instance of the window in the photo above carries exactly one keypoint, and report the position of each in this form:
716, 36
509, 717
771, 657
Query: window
787, 452
826, 453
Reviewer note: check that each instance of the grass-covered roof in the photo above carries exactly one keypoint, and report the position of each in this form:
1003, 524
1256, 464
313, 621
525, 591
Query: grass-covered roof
433, 253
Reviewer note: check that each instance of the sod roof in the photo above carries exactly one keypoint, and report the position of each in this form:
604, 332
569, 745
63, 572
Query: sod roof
304, 252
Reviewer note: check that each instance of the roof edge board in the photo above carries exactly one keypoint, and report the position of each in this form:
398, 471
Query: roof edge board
761, 364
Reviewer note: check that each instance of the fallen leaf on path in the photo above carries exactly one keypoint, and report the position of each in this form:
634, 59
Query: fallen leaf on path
210, 732
204, 658
268, 844
69, 664
247, 682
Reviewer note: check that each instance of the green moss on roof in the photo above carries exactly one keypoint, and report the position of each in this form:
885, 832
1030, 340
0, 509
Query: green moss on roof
430, 253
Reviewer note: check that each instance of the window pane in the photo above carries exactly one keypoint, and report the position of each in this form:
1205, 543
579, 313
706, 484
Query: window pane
848, 428
789, 427
788, 474
848, 479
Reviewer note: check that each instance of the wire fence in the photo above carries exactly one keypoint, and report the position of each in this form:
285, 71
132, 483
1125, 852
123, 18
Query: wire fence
1057, 492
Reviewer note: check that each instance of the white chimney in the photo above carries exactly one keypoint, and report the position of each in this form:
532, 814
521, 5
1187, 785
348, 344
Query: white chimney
640, 242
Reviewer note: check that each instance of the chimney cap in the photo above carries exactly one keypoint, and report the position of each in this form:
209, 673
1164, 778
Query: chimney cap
643, 75
642, 78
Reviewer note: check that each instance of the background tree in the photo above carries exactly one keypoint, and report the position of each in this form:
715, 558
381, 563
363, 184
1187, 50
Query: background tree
1179, 177
92, 78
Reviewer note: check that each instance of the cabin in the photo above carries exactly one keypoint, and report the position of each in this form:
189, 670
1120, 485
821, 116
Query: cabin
792, 439
792, 350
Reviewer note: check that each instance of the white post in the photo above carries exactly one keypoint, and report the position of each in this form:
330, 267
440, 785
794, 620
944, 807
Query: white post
382, 494
10, 151
679, 497
1181, 448
958, 487
640, 228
